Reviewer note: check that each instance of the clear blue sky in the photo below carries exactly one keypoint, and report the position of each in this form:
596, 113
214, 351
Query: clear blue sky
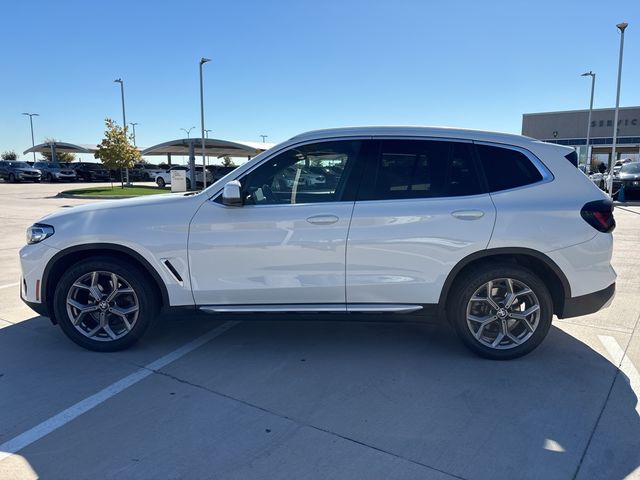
283, 67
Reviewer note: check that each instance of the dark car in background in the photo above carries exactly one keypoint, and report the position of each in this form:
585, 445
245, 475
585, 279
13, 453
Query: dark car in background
54, 171
629, 177
218, 171
17, 171
91, 172
140, 172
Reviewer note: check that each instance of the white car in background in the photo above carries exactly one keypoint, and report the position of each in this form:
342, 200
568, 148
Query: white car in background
163, 177
494, 232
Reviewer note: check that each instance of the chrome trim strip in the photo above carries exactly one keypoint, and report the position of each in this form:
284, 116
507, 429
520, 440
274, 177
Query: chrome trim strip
314, 308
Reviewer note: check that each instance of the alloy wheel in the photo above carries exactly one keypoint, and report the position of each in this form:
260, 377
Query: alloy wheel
102, 306
503, 313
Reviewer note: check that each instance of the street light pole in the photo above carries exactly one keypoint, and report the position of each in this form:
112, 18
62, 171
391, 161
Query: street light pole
133, 125
593, 86
124, 119
207, 131
204, 170
263, 137
188, 131
33, 144
621, 27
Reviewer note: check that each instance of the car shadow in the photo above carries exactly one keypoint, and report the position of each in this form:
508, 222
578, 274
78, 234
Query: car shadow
408, 389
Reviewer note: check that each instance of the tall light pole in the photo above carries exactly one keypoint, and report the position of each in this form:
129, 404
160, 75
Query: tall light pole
593, 86
133, 125
33, 144
621, 27
263, 137
204, 170
124, 118
187, 130
207, 131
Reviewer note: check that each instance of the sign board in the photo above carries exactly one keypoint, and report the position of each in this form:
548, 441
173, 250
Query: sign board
178, 180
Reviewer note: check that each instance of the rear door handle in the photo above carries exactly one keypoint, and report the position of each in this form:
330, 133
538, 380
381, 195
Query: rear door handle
468, 214
322, 219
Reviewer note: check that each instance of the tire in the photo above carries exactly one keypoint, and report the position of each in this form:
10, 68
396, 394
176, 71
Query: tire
188, 184
12, 178
49, 178
478, 324
137, 302
160, 182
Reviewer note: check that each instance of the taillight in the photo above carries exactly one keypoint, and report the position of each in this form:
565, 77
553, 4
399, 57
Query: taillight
599, 215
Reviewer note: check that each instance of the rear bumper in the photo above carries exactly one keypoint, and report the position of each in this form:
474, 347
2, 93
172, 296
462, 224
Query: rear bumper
589, 303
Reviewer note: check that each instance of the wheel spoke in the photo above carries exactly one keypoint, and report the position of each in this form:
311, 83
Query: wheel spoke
482, 320
82, 308
498, 339
525, 314
121, 312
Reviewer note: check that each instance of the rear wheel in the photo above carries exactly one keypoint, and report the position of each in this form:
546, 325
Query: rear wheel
103, 304
160, 182
502, 312
49, 178
12, 178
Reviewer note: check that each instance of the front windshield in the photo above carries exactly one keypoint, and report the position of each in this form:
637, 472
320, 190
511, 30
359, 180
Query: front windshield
92, 166
54, 165
19, 165
631, 168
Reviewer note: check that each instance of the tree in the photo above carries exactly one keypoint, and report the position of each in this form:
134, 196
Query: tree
115, 151
9, 155
64, 157
227, 162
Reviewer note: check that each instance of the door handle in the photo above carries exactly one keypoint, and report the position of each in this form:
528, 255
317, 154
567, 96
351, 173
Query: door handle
322, 219
468, 214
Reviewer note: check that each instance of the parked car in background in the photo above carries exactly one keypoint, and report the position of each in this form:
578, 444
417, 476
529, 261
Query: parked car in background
496, 233
618, 165
91, 172
219, 171
164, 177
17, 171
54, 171
629, 177
140, 172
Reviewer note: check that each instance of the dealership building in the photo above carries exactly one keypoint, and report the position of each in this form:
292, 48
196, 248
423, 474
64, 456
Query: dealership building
570, 128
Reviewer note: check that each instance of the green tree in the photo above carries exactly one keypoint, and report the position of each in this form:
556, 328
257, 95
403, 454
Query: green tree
115, 150
63, 157
227, 162
9, 155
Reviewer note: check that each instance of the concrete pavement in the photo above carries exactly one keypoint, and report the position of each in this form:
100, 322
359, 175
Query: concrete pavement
286, 399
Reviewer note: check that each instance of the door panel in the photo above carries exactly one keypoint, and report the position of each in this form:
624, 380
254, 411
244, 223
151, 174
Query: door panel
401, 251
269, 254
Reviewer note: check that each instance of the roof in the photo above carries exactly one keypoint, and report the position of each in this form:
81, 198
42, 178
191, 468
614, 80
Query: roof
62, 147
214, 147
417, 131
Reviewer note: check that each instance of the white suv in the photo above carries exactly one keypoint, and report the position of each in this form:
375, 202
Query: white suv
495, 232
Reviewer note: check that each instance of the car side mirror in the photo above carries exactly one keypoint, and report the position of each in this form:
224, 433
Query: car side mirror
231, 195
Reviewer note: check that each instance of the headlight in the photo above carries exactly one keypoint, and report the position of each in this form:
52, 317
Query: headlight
38, 232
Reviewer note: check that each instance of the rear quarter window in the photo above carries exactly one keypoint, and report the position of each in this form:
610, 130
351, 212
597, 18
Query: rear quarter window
506, 168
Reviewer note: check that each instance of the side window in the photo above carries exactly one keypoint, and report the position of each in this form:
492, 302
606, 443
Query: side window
307, 174
422, 169
506, 168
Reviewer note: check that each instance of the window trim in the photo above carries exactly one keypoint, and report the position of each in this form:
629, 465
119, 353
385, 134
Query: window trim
364, 139
377, 140
546, 174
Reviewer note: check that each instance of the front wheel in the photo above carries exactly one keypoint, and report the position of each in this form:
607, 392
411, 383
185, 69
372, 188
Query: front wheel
502, 312
12, 178
160, 182
104, 304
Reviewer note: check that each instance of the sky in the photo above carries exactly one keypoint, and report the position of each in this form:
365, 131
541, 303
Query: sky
283, 67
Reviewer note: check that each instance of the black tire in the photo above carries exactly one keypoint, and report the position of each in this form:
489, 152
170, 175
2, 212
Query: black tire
469, 283
188, 184
12, 178
49, 178
148, 303
160, 182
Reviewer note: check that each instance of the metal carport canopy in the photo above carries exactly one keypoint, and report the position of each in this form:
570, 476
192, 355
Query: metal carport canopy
213, 147
62, 147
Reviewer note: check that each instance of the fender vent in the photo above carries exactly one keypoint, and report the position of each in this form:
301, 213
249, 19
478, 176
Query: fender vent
173, 271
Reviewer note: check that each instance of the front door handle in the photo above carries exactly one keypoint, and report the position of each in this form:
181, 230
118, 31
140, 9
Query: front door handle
322, 219
468, 214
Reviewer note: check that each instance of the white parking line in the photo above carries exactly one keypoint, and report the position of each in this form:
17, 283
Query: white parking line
9, 285
625, 365
45, 428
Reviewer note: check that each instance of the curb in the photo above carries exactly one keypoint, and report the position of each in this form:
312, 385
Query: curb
94, 197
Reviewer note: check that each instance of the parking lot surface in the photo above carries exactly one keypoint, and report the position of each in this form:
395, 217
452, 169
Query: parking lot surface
207, 397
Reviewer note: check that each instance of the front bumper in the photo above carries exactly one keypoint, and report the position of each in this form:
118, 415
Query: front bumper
33, 260
589, 303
